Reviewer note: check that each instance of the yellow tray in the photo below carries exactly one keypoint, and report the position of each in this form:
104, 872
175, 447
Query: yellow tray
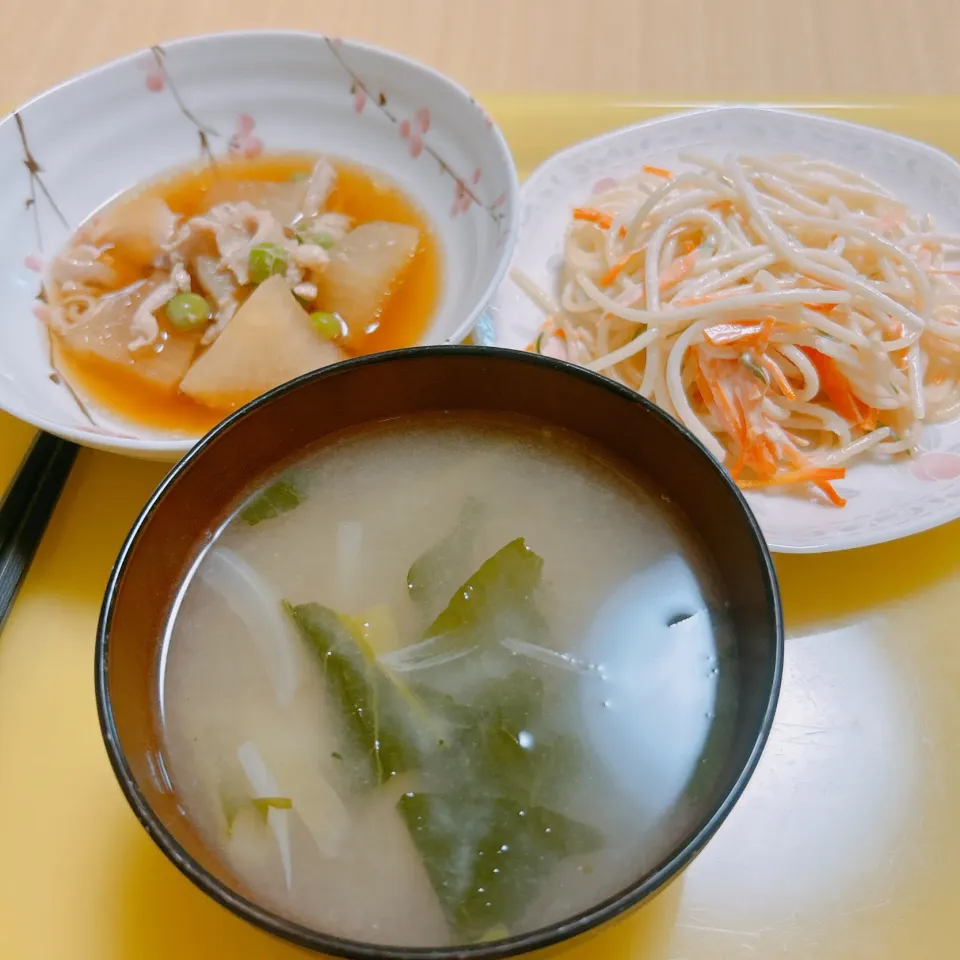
846, 844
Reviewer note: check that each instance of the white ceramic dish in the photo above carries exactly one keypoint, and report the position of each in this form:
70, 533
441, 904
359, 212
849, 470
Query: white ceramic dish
884, 501
74, 148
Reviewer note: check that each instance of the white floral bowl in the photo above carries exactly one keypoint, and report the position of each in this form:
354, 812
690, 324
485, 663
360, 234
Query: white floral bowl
75, 147
885, 501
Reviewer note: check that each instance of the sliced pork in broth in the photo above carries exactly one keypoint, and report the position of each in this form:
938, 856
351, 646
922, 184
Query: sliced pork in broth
170, 268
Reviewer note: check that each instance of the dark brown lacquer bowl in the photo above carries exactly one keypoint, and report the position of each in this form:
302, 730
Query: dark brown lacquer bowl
205, 487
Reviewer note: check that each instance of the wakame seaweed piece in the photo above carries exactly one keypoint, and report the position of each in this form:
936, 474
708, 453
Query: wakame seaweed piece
435, 573
516, 700
507, 579
385, 723
488, 856
496, 602
453, 714
509, 751
526, 766
280, 497
518, 697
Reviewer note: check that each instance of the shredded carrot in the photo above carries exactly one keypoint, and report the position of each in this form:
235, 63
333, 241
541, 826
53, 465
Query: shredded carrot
820, 307
659, 172
735, 422
816, 475
622, 232
778, 376
705, 389
763, 460
736, 468
616, 269
737, 331
719, 404
677, 270
688, 246
836, 386
832, 494
722, 334
560, 333
766, 332
838, 390
601, 219
822, 481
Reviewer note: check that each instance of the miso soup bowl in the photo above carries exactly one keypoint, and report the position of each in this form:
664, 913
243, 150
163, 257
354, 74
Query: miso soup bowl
74, 148
231, 461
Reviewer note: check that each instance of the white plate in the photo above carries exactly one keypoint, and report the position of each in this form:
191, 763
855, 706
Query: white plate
884, 501
74, 148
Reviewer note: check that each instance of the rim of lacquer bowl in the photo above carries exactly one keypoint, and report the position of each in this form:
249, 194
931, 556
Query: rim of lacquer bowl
584, 921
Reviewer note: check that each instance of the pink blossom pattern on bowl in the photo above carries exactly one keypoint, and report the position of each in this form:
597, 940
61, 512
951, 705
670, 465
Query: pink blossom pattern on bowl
152, 67
243, 143
161, 81
462, 199
359, 98
413, 132
936, 466
602, 186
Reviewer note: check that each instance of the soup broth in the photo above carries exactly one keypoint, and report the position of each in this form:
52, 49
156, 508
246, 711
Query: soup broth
445, 680
195, 231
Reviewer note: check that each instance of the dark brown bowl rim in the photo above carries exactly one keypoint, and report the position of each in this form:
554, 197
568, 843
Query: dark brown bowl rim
538, 939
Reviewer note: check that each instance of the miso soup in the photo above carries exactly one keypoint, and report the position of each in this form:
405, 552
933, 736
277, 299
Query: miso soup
445, 680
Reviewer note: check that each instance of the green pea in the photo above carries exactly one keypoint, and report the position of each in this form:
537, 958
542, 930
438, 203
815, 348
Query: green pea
306, 233
267, 260
326, 324
187, 311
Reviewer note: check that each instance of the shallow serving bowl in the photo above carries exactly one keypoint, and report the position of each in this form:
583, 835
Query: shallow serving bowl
204, 488
73, 149
885, 501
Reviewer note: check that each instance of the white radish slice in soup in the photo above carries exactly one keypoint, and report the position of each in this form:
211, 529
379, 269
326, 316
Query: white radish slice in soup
264, 785
253, 601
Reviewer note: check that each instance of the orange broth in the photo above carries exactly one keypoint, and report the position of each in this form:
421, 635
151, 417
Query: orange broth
359, 193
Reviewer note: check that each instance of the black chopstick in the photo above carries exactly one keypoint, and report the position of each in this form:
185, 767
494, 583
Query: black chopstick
26, 509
